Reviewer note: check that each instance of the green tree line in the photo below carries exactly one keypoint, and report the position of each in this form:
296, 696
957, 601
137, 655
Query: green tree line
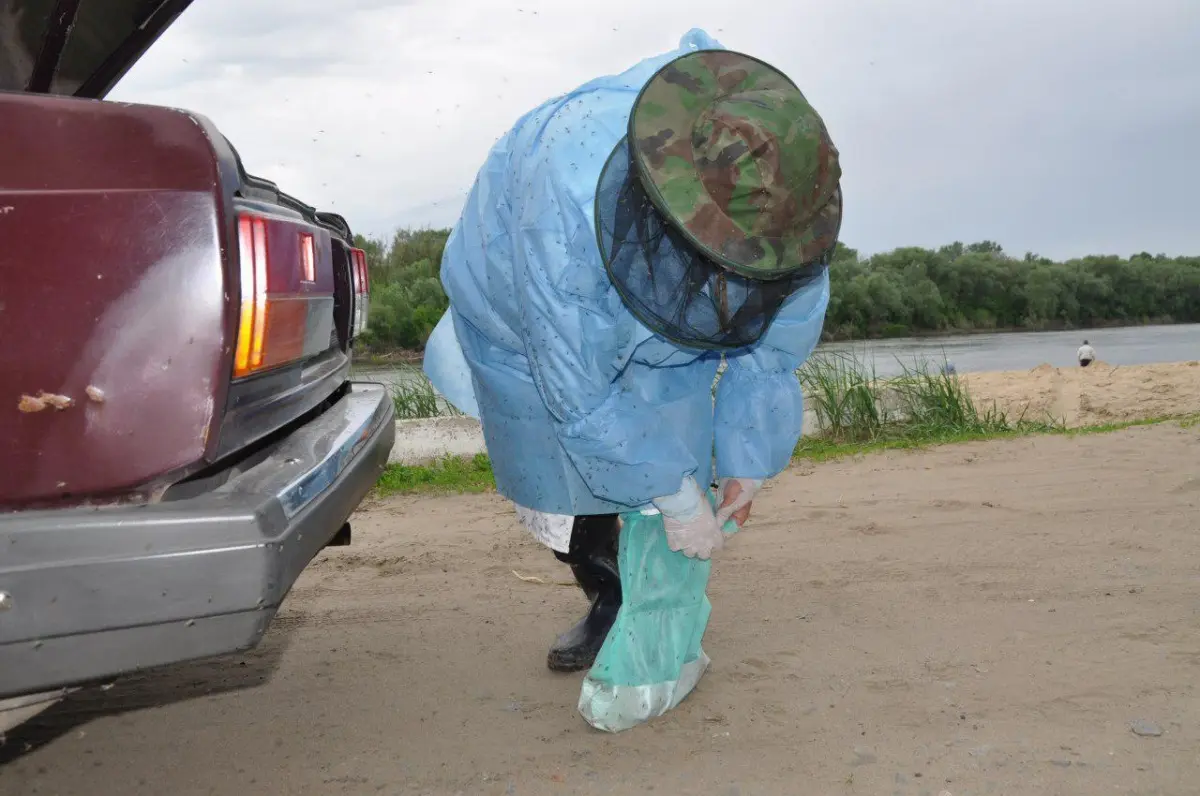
908, 291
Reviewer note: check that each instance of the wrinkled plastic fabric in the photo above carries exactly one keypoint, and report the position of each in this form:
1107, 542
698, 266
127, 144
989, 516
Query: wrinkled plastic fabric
652, 658
584, 410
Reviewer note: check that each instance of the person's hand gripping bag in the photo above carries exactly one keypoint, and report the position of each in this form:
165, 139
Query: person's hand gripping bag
652, 658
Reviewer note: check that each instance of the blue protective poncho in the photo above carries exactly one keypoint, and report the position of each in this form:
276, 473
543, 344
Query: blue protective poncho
585, 410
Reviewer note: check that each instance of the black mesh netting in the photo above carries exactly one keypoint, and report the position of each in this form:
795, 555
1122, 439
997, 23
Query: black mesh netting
667, 284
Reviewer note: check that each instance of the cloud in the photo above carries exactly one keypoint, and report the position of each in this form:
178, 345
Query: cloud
1061, 126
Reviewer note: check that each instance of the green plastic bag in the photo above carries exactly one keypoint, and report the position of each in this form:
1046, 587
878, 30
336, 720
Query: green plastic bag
652, 658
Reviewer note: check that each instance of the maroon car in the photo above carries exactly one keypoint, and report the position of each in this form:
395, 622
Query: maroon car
179, 435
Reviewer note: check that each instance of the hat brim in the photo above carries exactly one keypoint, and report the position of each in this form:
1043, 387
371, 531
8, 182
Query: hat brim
661, 124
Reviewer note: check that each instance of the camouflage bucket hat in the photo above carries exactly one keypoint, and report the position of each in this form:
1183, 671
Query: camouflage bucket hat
722, 201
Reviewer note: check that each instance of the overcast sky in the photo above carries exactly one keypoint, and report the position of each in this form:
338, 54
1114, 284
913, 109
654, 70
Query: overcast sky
1064, 127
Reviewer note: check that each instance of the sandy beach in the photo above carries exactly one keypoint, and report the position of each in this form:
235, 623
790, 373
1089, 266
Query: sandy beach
1095, 395
1007, 618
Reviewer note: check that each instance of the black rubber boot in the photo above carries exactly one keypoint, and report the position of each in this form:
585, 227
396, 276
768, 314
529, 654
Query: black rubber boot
593, 560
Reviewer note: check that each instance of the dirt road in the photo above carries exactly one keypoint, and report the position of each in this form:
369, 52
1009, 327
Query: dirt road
980, 619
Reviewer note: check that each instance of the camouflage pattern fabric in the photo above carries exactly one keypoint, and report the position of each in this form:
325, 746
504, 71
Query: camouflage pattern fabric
731, 152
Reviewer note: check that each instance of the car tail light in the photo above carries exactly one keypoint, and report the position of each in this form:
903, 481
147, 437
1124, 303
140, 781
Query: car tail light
362, 290
279, 292
308, 258
252, 251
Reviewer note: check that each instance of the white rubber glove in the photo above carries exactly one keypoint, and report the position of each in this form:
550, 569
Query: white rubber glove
688, 519
750, 488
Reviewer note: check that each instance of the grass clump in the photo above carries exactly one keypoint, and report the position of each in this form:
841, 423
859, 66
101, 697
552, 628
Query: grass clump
858, 412
844, 394
452, 474
417, 400
414, 397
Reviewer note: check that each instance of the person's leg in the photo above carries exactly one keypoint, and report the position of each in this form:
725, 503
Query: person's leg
593, 560
1083, 363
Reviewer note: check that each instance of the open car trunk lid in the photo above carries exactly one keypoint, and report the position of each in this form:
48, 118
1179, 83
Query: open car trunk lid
77, 48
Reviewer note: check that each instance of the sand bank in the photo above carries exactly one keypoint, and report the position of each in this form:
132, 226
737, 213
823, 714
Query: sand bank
1094, 395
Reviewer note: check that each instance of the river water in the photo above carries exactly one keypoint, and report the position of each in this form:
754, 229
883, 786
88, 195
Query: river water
1133, 345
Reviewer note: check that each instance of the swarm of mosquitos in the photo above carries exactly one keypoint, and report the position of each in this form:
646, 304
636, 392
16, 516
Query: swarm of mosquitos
458, 106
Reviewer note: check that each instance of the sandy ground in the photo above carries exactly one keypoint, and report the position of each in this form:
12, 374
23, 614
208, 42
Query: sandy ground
977, 619
1095, 395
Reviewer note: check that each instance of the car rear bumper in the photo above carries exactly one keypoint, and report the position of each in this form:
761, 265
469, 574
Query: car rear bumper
89, 594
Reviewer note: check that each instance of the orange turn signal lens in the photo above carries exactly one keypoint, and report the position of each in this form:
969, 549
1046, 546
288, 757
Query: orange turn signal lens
252, 325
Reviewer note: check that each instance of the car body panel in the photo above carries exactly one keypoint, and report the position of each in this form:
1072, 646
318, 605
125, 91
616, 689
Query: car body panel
113, 276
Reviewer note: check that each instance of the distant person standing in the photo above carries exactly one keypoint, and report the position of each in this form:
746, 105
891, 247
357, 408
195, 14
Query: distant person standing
1085, 354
